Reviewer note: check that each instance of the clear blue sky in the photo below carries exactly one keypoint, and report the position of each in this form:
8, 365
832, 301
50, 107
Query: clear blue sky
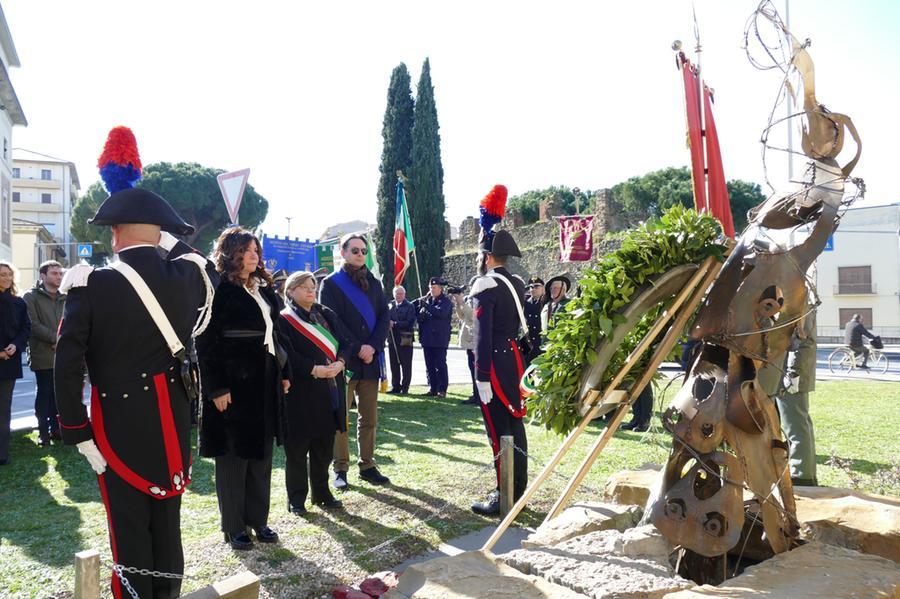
529, 94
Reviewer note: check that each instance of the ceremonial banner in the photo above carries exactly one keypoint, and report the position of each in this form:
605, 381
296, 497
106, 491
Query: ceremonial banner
719, 203
707, 173
576, 239
403, 238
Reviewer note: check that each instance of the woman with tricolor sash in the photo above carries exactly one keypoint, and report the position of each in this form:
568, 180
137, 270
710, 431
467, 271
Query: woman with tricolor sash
318, 347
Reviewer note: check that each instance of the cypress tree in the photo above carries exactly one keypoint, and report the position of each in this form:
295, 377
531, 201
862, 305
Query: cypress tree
426, 201
395, 155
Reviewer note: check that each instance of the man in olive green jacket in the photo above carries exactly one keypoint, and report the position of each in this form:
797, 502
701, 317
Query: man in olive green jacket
790, 380
45, 308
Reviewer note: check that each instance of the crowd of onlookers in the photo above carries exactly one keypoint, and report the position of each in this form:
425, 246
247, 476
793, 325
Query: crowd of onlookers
284, 361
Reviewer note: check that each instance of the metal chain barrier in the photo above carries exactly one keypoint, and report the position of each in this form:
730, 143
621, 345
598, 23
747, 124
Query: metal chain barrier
120, 569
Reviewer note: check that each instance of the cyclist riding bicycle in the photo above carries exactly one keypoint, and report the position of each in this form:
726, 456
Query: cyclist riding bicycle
854, 331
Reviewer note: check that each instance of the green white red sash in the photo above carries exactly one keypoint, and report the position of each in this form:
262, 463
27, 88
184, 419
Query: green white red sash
317, 334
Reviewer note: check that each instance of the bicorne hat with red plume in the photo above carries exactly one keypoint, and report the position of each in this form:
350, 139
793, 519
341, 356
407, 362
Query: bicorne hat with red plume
120, 168
492, 209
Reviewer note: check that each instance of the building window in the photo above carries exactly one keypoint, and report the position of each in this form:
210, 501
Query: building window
854, 279
45, 174
17, 172
45, 198
845, 314
17, 196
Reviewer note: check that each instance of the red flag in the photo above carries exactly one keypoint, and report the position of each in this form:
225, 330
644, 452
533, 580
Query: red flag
707, 172
719, 203
695, 135
576, 239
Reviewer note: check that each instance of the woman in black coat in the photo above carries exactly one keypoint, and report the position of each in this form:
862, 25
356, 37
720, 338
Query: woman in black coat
243, 383
15, 327
318, 347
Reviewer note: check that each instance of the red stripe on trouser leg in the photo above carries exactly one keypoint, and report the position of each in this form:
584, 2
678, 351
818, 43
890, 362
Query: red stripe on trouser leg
498, 390
170, 435
116, 585
495, 441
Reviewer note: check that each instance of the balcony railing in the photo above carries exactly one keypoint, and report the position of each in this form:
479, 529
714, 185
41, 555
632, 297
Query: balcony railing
856, 289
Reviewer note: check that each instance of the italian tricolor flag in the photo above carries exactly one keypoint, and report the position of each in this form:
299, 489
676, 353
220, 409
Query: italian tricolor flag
403, 237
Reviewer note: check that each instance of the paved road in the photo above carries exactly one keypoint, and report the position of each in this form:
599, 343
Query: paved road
458, 370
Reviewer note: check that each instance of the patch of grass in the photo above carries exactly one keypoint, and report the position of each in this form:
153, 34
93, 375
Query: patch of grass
437, 456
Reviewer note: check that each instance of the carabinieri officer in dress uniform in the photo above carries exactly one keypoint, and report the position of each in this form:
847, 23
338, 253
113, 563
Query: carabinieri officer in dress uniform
137, 438
499, 365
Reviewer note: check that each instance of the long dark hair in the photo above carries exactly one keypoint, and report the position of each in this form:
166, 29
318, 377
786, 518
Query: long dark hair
229, 256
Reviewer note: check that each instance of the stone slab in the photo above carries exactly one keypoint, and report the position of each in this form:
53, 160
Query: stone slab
632, 487
866, 523
581, 519
606, 564
813, 571
473, 575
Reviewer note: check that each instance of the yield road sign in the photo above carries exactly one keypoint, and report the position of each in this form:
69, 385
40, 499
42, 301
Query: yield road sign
232, 186
85, 250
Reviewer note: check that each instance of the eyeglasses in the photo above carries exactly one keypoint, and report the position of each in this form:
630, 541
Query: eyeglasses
311, 288
358, 251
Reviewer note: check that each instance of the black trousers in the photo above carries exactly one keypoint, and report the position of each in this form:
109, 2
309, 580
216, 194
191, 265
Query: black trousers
470, 357
6, 393
499, 422
436, 368
45, 403
401, 363
144, 532
642, 408
299, 479
244, 489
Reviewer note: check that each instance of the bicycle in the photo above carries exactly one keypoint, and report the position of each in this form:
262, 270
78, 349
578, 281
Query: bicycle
843, 360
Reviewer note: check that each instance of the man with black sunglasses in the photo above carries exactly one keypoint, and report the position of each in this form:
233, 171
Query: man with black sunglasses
357, 298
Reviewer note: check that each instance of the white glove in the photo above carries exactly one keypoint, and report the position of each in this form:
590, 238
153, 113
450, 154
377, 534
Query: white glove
167, 241
89, 450
484, 391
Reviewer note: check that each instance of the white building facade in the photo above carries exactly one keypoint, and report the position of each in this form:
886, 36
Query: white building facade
44, 191
859, 273
10, 114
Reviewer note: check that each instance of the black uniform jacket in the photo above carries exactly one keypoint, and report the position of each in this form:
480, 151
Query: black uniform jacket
140, 412
497, 324
310, 411
332, 296
532, 309
234, 359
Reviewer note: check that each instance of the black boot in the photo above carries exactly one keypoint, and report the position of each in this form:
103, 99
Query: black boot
490, 506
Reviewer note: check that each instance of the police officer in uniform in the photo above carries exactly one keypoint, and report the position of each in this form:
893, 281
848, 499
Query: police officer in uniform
137, 438
499, 365
534, 304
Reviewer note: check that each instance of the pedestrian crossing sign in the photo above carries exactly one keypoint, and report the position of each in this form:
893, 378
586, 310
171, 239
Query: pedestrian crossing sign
85, 250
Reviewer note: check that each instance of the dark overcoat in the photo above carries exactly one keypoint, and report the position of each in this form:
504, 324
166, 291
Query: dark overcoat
233, 359
332, 296
309, 409
15, 328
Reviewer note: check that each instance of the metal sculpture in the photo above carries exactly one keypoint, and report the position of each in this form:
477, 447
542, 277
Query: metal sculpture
727, 434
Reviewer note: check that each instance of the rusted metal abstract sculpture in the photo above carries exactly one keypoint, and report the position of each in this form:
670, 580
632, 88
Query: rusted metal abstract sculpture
727, 434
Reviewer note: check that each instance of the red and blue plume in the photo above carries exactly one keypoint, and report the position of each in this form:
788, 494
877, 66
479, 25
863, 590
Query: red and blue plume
493, 207
119, 164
